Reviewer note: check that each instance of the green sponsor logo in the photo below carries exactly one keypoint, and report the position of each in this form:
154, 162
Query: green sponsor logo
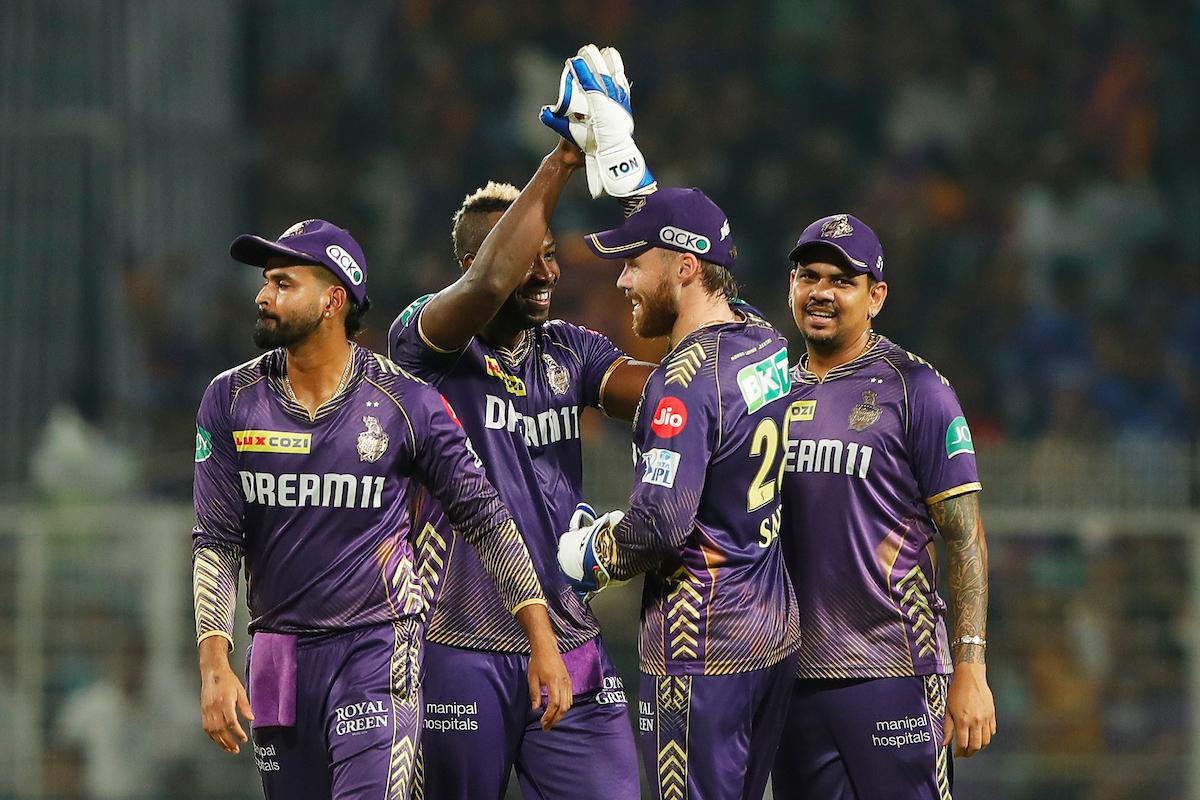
958, 438
203, 444
765, 381
407, 314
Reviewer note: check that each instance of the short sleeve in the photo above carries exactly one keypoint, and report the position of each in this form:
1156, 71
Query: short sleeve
409, 348
600, 357
939, 440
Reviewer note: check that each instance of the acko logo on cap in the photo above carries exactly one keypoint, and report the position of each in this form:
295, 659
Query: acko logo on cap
346, 262
686, 239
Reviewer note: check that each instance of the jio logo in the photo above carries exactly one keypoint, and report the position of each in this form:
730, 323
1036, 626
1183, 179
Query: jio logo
346, 262
670, 418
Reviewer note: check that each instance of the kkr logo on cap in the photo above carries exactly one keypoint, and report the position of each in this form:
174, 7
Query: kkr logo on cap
296, 229
346, 263
836, 228
685, 239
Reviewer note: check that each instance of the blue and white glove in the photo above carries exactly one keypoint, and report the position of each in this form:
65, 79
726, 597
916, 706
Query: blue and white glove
568, 118
584, 549
607, 123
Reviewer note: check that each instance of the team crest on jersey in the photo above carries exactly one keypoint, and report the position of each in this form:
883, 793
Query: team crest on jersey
558, 377
373, 442
866, 413
836, 228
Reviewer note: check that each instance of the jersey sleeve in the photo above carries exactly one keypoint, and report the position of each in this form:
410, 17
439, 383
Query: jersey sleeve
217, 538
600, 357
409, 348
447, 464
943, 455
675, 439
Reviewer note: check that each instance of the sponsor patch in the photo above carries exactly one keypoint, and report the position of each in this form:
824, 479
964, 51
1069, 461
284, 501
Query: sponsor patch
512, 384
802, 411
203, 444
272, 442
685, 239
661, 466
346, 264
411, 311
958, 438
670, 418
765, 381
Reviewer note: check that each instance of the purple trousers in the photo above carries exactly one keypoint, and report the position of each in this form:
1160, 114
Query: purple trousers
712, 737
478, 726
874, 739
357, 718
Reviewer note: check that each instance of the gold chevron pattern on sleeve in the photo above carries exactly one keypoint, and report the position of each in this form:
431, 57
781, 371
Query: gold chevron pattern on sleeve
674, 712
503, 553
914, 600
214, 591
432, 551
405, 667
684, 365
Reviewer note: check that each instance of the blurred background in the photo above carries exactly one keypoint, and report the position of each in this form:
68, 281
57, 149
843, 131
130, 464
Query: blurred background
1029, 166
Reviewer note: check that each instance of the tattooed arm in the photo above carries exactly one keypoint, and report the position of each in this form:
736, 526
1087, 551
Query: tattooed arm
970, 710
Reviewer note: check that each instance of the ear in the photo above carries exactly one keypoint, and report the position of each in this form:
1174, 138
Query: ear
467, 261
336, 301
688, 268
878, 296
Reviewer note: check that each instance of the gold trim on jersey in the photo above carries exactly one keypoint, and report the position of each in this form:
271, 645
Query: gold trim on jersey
684, 365
604, 381
536, 601
425, 339
965, 488
868, 354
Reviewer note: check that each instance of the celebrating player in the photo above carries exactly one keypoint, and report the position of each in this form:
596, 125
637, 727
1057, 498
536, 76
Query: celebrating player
877, 456
519, 382
719, 623
307, 462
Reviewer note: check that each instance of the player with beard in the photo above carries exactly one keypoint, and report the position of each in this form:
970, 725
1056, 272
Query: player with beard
719, 623
519, 382
878, 456
307, 460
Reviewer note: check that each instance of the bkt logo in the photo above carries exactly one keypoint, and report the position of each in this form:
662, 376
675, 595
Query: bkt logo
681, 238
625, 167
670, 418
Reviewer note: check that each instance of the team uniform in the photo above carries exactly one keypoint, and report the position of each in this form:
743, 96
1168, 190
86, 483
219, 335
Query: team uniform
719, 620
320, 509
521, 408
868, 450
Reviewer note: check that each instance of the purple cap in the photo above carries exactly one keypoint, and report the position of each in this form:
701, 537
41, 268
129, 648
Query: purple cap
850, 236
677, 219
316, 242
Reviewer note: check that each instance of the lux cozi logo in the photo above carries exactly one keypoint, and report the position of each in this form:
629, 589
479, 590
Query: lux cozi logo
272, 442
512, 384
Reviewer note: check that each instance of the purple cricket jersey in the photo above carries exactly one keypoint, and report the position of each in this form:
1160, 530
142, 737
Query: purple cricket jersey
522, 409
868, 450
704, 513
321, 508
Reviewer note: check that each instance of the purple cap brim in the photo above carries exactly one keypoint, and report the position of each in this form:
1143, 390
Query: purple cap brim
614, 244
257, 251
850, 261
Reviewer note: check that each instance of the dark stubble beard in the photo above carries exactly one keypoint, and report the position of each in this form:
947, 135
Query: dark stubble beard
285, 333
658, 313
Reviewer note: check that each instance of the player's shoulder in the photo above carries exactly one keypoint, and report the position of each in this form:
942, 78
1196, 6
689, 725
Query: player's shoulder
567, 334
227, 384
917, 372
386, 373
410, 312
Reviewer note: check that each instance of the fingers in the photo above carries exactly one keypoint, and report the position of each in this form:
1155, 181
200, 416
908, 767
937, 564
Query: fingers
947, 730
243, 703
558, 691
220, 718
616, 66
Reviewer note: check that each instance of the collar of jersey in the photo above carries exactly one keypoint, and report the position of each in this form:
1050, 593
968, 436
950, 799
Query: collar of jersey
275, 373
514, 355
875, 347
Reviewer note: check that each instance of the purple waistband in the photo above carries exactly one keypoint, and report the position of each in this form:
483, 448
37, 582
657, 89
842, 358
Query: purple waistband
585, 667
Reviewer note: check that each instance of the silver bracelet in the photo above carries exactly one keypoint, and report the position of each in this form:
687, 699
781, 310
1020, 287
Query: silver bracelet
979, 640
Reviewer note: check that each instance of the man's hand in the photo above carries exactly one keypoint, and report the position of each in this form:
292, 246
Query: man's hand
970, 711
546, 668
222, 696
585, 550
568, 118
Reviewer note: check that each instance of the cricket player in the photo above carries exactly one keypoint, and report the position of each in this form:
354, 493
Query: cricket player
877, 457
308, 461
519, 382
719, 624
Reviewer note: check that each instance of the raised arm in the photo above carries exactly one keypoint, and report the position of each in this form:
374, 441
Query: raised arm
623, 389
460, 311
970, 709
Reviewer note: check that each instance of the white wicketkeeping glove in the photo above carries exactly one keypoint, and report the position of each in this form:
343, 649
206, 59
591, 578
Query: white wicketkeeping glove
619, 169
585, 548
